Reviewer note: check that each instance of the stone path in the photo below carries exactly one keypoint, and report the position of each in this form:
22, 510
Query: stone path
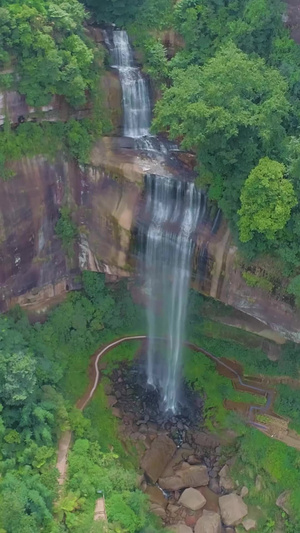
63, 448
100, 513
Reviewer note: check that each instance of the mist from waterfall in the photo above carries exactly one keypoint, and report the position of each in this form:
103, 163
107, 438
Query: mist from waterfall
172, 212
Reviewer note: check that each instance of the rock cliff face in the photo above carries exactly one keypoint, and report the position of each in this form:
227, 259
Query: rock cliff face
105, 198
293, 19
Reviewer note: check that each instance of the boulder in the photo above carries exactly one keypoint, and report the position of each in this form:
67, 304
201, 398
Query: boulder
192, 499
191, 519
193, 460
249, 524
186, 476
156, 496
214, 486
225, 479
244, 492
173, 509
158, 510
258, 483
111, 400
182, 528
233, 509
208, 523
117, 412
206, 440
212, 499
157, 457
282, 501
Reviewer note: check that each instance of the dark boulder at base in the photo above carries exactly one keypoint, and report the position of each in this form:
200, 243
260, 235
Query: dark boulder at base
157, 457
186, 476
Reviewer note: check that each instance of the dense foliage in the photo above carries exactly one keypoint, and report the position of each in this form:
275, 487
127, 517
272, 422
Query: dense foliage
42, 373
66, 230
46, 41
45, 51
274, 196
267, 467
29, 139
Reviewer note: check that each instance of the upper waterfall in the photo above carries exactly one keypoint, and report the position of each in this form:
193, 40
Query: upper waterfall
136, 100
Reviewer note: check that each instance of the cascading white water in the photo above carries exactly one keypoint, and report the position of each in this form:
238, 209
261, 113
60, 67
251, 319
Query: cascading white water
136, 101
173, 210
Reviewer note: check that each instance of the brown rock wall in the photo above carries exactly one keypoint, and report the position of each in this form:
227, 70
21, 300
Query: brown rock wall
104, 198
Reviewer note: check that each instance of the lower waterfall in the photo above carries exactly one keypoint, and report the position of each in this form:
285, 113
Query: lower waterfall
173, 211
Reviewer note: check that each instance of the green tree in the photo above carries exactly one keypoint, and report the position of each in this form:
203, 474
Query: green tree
231, 111
294, 289
267, 199
207, 24
17, 376
66, 230
52, 53
119, 12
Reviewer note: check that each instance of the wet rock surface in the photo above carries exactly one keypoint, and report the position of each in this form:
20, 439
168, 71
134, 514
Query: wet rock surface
143, 409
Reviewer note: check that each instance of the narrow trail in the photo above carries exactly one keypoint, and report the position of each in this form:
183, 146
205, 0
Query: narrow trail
93, 371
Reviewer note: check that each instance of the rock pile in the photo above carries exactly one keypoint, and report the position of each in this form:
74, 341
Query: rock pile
184, 474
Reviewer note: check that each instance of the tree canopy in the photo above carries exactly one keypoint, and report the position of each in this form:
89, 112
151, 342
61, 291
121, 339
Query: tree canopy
231, 112
267, 199
45, 41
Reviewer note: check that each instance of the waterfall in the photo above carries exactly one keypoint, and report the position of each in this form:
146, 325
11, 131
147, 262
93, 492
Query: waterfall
173, 211
171, 214
136, 101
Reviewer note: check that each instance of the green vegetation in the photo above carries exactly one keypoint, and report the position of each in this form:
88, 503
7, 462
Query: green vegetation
238, 345
287, 403
255, 454
264, 465
124, 352
52, 54
294, 289
277, 466
118, 12
43, 370
47, 138
254, 361
151, 19
66, 230
201, 373
274, 199
46, 49
212, 106
255, 281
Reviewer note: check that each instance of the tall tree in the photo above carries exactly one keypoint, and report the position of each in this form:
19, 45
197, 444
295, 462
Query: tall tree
267, 199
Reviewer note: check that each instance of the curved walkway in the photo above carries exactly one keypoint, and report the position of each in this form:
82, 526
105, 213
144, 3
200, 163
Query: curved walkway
65, 440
